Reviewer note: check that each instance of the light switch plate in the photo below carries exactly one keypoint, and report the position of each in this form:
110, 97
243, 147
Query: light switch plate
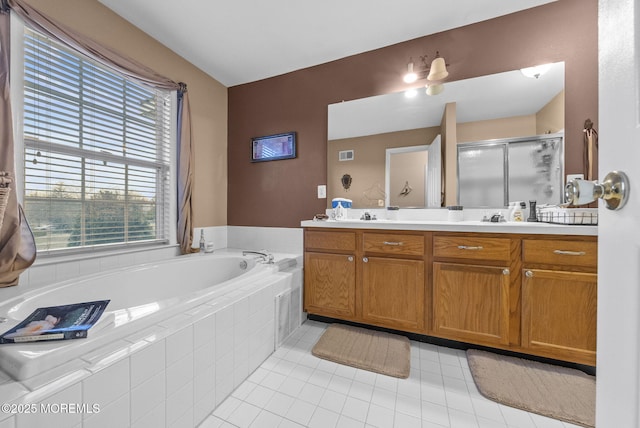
322, 191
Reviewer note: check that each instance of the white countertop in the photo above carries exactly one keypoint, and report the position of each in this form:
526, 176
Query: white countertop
459, 226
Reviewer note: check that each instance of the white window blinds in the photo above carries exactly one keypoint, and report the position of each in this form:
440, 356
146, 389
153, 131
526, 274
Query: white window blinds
96, 152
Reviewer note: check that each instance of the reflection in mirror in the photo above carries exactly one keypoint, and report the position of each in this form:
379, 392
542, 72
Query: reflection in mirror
406, 177
495, 173
504, 105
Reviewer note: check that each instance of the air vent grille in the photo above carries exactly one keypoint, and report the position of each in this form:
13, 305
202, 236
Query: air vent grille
345, 155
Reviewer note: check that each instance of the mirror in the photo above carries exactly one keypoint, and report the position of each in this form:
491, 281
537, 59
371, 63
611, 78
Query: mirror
503, 105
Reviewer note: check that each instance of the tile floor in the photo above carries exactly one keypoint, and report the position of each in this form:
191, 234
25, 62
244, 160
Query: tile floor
294, 389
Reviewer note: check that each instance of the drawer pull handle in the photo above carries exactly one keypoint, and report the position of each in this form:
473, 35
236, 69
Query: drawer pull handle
365, 259
528, 274
393, 243
466, 247
350, 258
569, 253
505, 271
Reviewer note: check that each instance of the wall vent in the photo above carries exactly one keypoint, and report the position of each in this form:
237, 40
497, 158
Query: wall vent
288, 313
345, 155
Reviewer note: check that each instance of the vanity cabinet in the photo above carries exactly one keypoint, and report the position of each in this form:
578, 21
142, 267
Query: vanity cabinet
529, 293
330, 274
393, 286
559, 299
368, 277
470, 296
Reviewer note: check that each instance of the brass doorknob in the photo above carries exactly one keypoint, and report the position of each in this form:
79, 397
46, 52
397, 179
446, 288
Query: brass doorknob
614, 190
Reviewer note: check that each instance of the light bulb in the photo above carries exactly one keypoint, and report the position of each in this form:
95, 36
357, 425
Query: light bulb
410, 93
411, 76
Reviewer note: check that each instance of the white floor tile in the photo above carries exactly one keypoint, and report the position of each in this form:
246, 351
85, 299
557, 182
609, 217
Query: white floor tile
355, 409
244, 415
380, 417
311, 394
301, 412
323, 418
279, 404
333, 401
266, 419
405, 421
260, 396
347, 422
294, 389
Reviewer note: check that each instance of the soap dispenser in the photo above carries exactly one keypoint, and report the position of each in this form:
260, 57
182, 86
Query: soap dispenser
202, 242
518, 211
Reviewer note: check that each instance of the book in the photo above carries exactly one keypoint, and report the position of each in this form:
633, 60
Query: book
56, 323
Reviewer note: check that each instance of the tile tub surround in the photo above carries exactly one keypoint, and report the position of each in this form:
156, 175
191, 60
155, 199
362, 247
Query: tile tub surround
172, 374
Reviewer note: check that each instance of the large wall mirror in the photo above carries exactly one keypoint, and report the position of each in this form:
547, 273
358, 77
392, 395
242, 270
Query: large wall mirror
362, 133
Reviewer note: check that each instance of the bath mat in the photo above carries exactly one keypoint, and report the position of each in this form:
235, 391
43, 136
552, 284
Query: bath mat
375, 351
557, 392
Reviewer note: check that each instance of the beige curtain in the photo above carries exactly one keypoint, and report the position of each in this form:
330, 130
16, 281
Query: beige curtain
17, 247
134, 70
185, 175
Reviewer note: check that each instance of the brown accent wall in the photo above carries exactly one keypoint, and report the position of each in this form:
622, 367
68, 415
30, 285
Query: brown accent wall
282, 193
208, 97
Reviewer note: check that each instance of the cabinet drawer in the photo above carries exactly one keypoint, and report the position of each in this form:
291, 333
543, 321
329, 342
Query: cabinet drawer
570, 253
472, 248
335, 241
391, 243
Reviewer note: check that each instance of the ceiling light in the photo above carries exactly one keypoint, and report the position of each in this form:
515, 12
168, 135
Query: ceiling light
536, 71
411, 76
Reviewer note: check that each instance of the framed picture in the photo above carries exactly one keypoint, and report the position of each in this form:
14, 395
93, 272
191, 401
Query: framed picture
273, 147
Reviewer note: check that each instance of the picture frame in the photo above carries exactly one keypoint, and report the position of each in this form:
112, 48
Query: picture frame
273, 147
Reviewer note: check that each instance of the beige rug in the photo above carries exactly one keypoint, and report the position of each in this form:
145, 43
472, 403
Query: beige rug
558, 392
375, 351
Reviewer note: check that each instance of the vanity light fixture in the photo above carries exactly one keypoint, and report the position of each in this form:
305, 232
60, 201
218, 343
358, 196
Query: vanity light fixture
434, 89
435, 72
536, 71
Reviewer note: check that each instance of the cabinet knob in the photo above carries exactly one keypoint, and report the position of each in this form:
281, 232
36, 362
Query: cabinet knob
365, 259
350, 258
528, 274
505, 271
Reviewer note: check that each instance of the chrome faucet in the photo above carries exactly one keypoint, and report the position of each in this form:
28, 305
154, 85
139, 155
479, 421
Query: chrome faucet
266, 257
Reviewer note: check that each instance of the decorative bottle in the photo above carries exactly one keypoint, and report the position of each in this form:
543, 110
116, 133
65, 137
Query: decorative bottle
202, 243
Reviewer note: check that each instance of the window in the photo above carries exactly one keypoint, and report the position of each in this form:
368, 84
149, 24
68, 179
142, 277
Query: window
96, 152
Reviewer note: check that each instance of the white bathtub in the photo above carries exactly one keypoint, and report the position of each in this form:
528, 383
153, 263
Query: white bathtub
140, 296
176, 339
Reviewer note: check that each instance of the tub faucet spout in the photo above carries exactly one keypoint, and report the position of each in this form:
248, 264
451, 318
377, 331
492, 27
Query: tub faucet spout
266, 257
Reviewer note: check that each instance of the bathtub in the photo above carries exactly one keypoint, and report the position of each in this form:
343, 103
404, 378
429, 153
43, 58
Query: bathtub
140, 296
175, 340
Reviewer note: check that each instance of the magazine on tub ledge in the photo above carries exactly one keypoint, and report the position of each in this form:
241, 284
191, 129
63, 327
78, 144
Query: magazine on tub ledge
56, 323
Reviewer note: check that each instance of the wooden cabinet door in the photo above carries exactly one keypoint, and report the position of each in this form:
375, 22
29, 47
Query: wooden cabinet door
393, 293
559, 314
471, 303
330, 284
